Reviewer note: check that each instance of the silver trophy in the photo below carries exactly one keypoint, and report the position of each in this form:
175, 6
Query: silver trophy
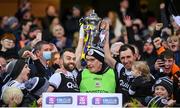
92, 30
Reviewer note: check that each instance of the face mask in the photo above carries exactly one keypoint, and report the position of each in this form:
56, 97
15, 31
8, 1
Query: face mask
47, 55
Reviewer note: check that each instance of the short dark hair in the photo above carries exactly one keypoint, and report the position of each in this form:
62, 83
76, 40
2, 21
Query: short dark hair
67, 49
39, 45
126, 47
24, 22
168, 54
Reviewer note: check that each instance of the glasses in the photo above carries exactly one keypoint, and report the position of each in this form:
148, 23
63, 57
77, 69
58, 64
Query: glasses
8, 40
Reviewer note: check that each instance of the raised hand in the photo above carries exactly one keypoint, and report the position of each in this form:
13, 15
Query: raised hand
27, 54
104, 25
127, 20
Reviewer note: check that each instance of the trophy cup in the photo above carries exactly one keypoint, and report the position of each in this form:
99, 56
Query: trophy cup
93, 33
91, 28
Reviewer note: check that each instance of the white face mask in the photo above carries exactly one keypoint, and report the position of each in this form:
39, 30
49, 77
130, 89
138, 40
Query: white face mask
47, 55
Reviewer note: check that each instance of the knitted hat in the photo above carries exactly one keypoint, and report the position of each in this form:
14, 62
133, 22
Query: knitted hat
97, 53
157, 102
147, 40
15, 67
166, 83
154, 37
9, 36
11, 20
37, 85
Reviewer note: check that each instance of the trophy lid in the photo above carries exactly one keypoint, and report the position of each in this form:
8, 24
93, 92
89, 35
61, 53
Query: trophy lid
93, 16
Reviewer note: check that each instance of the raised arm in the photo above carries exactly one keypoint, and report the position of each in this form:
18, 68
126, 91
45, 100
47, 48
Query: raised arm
130, 33
79, 48
108, 58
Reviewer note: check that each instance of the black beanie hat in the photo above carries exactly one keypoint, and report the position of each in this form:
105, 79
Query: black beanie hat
97, 53
166, 83
15, 67
147, 40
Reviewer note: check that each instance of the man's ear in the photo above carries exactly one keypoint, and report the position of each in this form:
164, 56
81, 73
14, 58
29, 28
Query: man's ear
134, 56
37, 53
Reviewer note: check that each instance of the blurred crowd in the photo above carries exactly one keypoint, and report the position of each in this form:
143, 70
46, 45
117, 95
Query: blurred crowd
140, 58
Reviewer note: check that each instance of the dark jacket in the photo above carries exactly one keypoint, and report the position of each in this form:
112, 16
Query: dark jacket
38, 70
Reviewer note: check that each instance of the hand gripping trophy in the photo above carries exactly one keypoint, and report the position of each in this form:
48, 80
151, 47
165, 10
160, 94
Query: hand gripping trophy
94, 35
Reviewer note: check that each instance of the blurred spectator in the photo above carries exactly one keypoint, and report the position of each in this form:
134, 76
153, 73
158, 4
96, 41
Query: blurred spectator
47, 33
124, 10
56, 61
25, 28
157, 42
27, 15
129, 37
174, 45
151, 23
149, 54
144, 12
115, 26
75, 40
72, 20
7, 46
3, 23
55, 21
23, 6
174, 23
35, 35
51, 12
143, 32
12, 24
59, 37
48, 21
